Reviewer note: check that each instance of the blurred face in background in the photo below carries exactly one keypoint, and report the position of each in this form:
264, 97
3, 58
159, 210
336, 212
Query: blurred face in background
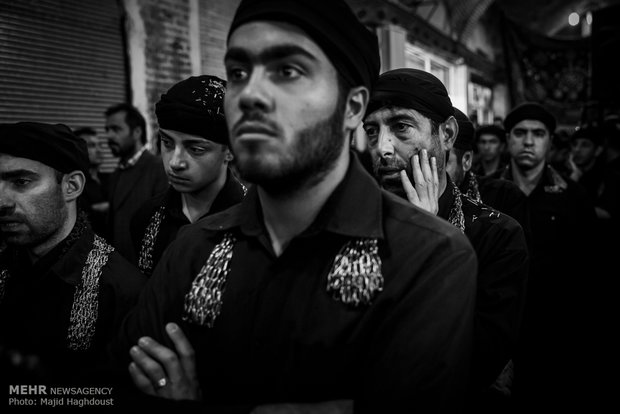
122, 140
94, 149
490, 147
529, 142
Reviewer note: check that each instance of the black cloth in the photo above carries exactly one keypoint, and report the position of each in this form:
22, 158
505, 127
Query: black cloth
128, 189
530, 110
174, 219
95, 192
503, 260
281, 337
553, 367
36, 307
195, 106
414, 89
502, 195
351, 47
54, 145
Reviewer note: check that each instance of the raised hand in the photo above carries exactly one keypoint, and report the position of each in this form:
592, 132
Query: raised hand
424, 193
159, 371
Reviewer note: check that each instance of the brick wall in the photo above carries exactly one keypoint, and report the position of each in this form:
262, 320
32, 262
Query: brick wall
215, 18
167, 48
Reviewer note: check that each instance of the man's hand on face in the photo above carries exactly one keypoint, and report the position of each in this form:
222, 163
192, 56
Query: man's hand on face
424, 192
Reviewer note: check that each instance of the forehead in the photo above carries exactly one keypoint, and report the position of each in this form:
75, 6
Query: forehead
257, 36
488, 137
530, 124
11, 163
179, 136
389, 113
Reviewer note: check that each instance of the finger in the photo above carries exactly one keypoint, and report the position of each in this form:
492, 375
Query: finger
418, 177
151, 367
140, 380
184, 349
435, 177
412, 194
164, 356
426, 168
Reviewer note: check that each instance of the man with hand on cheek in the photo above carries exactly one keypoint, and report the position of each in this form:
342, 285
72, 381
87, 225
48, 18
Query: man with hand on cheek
410, 118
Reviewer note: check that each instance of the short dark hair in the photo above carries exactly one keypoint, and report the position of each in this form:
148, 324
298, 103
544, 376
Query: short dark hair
133, 117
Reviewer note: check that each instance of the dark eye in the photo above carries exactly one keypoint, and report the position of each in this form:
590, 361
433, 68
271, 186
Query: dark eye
167, 143
400, 127
235, 74
197, 150
289, 72
21, 182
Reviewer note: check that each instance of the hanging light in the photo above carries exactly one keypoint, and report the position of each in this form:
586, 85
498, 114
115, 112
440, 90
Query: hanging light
573, 19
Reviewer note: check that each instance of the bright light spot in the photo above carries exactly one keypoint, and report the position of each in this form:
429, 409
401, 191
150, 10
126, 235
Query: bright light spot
573, 19
589, 18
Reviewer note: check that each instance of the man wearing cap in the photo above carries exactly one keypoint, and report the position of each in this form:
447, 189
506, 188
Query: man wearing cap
491, 144
409, 121
318, 286
138, 177
63, 289
502, 195
194, 149
551, 361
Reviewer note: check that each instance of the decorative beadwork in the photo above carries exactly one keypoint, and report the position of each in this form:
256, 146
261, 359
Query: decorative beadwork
145, 258
473, 191
355, 277
456, 216
203, 302
85, 308
4, 276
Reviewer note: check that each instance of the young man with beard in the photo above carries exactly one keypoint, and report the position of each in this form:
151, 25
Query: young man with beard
194, 150
552, 368
319, 286
502, 195
63, 289
410, 120
138, 177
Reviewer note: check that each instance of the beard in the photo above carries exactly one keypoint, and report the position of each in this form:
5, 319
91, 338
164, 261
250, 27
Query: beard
312, 155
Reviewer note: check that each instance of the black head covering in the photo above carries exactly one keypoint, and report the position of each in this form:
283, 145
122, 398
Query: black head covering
54, 145
530, 110
414, 89
491, 129
195, 106
465, 138
590, 132
349, 45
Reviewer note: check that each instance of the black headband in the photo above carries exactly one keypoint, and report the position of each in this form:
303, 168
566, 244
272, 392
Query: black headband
350, 46
530, 110
414, 89
195, 106
465, 138
54, 145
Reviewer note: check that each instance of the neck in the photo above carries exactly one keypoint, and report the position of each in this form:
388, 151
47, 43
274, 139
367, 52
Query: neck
197, 204
527, 180
137, 149
490, 166
288, 215
36, 252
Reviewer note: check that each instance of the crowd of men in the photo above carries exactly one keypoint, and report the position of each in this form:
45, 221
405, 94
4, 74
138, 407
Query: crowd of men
258, 262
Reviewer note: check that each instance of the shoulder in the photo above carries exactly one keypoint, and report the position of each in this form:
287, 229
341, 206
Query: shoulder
484, 221
413, 226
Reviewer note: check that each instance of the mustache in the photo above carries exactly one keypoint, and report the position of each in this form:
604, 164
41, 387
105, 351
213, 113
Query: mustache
257, 117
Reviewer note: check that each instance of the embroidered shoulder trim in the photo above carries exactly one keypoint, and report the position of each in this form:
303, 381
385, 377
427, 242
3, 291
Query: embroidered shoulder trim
85, 308
4, 276
145, 257
472, 187
203, 302
456, 217
355, 277
559, 184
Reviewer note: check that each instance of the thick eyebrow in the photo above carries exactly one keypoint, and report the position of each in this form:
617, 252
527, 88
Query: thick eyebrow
271, 53
396, 118
21, 173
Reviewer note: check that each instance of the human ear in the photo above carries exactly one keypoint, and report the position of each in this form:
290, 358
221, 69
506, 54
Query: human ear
73, 185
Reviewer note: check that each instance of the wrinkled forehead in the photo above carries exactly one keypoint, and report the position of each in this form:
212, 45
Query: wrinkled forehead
389, 114
10, 163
